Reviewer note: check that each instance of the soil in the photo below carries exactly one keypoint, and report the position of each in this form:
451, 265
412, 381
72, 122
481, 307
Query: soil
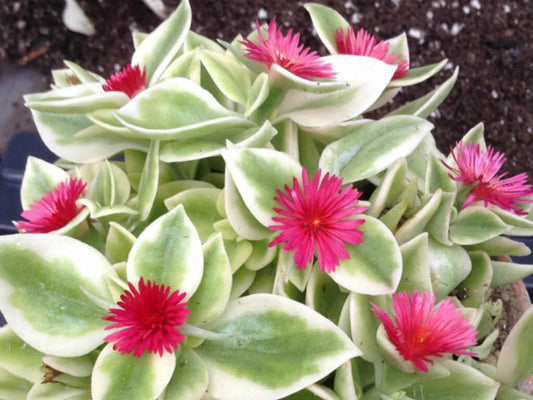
491, 41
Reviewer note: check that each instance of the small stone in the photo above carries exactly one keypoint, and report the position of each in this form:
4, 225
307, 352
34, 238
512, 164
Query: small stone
348, 4
262, 13
415, 33
466, 10
21, 24
494, 94
475, 4
456, 28
356, 18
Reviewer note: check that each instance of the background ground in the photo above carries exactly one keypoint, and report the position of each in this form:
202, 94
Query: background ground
491, 41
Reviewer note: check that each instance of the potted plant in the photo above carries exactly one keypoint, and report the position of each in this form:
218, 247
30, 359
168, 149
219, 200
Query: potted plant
226, 222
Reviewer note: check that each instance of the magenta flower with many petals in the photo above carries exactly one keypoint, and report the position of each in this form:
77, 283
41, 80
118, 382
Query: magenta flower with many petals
286, 52
130, 81
148, 319
480, 169
54, 210
315, 216
367, 45
420, 330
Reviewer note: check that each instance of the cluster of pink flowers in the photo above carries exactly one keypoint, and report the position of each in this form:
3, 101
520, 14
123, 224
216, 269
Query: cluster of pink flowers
421, 330
480, 170
315, 216
287, 52
148, 318
54, 210
367, 45
131, 80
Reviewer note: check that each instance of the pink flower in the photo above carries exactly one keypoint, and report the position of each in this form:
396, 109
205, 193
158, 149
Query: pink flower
315, 216
419, 330
286, 52
150, 317
130, 81
54, 210
480, 170
367, 45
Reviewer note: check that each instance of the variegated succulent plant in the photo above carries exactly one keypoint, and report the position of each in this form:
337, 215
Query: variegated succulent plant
226, 222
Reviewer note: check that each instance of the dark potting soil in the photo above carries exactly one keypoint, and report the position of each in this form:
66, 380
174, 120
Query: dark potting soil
491, 42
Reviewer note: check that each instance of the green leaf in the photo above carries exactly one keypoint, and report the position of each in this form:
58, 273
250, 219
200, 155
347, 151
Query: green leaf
239, 365
393, 217
108, 183
284, 80
388, 190
373, 147
40, 297
74, 366
200, 206
476, 224
57, 391
449, 266
345, 384
12, 387
261, 256
187, 66
363, 326
82, 104
314, 392
177, 108
258, 94
417, 224
324, 295
157, 50
505, 273
437, 177
513, 394
82, 74
242, 280
190, 378
211, 145
417, 75
520, 225
231, 77
463, 383
211, 297
118, 243
40, 177
326, 22
195, 41
240, 218
416, 273
118, 377
478, 281
257, 173
439, 224
149, 182
425, 105
375, 265
365, 79
502, 246
19, 359
168, 252
58, 132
